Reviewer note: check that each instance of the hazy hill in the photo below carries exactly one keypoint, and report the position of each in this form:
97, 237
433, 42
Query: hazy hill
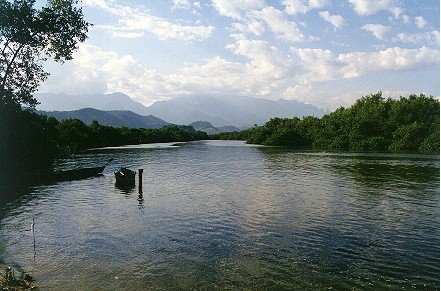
219, 111
239, 111
112, 118
210, 129
106, 102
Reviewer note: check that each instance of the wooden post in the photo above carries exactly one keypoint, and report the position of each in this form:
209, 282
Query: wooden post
33, 235
140, 180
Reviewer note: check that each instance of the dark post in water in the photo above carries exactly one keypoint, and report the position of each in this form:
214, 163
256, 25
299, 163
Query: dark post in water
140, 180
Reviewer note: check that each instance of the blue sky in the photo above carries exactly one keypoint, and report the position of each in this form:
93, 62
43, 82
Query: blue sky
324, 52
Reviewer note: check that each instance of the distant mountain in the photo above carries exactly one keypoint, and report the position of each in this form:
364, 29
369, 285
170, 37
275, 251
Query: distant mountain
106, 102
112, 118
210, 129
219, 111
237, 111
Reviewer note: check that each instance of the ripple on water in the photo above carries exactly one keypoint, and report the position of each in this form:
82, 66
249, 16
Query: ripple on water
227, 215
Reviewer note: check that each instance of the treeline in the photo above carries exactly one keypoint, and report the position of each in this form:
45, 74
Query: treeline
73, 135
29, 140
372, 123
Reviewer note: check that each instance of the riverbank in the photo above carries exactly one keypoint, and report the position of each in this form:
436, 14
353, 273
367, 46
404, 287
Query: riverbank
9, 280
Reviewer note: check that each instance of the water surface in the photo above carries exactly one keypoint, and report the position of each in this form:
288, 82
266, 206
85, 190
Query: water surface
222, 214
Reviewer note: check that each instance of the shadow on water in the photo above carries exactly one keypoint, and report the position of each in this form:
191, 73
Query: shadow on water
371, 168
17, 182
125, 189
406, 175
14, 188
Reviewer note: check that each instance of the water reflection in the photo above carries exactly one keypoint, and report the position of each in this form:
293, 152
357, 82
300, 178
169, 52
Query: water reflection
140, 199
125, 189
405, 175
225, 215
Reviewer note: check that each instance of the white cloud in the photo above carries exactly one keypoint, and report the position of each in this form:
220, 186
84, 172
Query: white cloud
123, 33
420, 22
318, 3
405, 18
279, 24
391, 59
396, 11
181, 4
430, 38
96, 3
378, 30
368, 7
261, 67
136, 22
164, 29
320, 65
104, 71
307, 94
250, 26
336, 20
235, 9
317, 65
294, 7
266, 63
257, 21
187, 5
267, 71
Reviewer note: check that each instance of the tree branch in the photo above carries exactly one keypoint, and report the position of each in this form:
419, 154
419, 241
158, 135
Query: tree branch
9, 65
6, 46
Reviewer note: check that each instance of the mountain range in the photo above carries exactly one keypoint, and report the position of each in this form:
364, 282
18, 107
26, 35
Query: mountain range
115, 118
106, 102
219, 111
119, 118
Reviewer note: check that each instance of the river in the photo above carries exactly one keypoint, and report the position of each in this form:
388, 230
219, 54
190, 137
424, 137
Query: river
226, 215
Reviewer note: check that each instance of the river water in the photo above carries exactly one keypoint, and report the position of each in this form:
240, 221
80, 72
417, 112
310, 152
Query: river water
223, 214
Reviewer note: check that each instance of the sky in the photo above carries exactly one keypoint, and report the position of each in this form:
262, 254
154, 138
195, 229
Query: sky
323, 52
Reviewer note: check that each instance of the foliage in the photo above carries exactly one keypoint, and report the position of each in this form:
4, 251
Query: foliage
372, 123
73, 135
27, 139
30, 142
28, 37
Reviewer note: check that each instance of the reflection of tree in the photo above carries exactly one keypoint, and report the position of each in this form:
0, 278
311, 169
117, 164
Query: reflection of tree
12, 196
375, 173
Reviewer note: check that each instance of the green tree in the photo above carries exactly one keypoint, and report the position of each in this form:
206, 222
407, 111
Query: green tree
369, 116
28, 36
372, 123
74, 135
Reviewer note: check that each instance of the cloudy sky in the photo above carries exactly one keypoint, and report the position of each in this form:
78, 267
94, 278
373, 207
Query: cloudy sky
324, 52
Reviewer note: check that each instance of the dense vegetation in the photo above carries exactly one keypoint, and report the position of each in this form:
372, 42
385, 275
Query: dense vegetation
30, 34
372, 123
29, 140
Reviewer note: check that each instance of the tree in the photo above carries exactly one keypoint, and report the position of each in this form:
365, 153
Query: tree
28, 37
372, 123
